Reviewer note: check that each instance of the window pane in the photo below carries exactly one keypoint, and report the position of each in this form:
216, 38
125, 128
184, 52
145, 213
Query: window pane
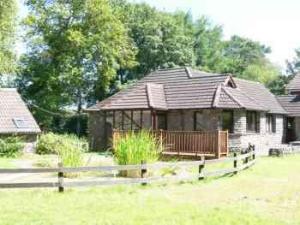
161, 121
227, 121
271, 123
20, 123
252, 121
274, 123
198, 123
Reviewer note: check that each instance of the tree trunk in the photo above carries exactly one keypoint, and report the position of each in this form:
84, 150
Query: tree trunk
79, 111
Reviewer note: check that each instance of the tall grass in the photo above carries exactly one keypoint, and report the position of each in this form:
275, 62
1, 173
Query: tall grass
135, 147
68, 147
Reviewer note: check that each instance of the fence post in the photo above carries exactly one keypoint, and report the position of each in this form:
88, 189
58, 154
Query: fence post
247, 151
253, 152
60, 178
161, 139
143, 171
235, 162
218, 144
201, 167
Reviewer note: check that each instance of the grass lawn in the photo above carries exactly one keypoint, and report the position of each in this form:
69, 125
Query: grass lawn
6, 163
268, 193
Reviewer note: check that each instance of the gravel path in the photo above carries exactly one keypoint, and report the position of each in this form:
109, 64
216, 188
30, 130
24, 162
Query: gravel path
21, 177
43, 177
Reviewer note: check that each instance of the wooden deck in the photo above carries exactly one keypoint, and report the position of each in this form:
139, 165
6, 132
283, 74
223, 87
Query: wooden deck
189, 143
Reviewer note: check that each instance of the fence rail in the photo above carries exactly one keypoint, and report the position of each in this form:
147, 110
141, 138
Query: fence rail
187, 143
240, 162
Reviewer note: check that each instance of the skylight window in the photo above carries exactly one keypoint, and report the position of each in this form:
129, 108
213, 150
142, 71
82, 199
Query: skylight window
20, 123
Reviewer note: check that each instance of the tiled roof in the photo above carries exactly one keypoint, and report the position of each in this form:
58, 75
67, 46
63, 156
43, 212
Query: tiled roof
14, 114
185, 88
291, 104
244, 100
260, 94
225, 100
156, 96
294, 84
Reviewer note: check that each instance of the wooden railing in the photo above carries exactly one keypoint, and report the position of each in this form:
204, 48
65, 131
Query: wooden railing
188, 143
239, 162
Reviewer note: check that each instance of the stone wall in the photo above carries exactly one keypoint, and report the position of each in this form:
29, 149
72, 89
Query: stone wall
96, 131
263, 140
184, 120
297, 128
30, 143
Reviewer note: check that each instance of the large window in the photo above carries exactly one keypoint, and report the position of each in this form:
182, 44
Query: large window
199, 121
271, 123
252, 122
162, 121
227, 121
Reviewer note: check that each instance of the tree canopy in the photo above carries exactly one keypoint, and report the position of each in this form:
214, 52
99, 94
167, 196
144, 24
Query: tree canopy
75, 50
80, 51
8, 15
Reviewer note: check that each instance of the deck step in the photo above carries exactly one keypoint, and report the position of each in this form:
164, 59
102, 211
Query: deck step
187, 154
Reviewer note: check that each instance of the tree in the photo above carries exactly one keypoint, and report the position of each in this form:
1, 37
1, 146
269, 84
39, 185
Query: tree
8, 13
163, 39
293, 67
278, 85
208, 45
81, 51
263, 72
240, 52
75, 50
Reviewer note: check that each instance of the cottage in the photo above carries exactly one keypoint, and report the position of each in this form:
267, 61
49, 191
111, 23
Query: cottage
291, 104
16, 119
184, 99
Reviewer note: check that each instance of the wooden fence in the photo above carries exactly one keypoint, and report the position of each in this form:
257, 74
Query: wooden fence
240, 162
188, 143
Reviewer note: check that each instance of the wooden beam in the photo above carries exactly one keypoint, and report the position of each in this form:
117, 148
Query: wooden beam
125, 115
154, 122
105, 129
182, 119
141, 119
122, 125
131, 119
195, 120
114, 119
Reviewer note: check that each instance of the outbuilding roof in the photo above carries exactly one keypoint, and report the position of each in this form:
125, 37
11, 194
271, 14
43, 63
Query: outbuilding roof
291, 104
185, 88
294, 84
15, 117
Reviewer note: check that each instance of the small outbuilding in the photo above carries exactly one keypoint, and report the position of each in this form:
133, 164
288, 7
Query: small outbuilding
16, 119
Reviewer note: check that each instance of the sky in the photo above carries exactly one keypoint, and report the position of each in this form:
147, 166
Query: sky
274, 23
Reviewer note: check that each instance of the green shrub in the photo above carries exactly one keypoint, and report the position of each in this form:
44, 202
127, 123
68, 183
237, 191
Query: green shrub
135, 147
68, 147
47, 143
11, 146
